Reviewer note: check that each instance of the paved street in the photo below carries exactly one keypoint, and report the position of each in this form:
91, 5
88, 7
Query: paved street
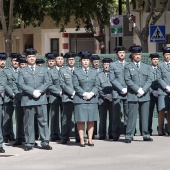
105, 155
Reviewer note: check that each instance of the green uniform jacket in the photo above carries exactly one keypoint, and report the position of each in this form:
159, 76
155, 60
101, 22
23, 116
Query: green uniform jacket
136, 78
9, 88
105, 87
3, 82
29, 81
66, 84
163, 75
54, 87
85, 83
117, 79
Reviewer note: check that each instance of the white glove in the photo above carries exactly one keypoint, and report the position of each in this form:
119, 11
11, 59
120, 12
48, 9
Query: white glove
140, 92
168, 89
36, 93
3, 94
60, 93
90, 95
73, 94
155, 93
85, 95
108, 97
124, 91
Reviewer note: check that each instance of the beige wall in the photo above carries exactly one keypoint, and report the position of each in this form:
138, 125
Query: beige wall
164, 20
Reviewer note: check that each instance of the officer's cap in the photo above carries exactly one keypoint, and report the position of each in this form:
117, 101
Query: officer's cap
70, 55
135, 49
95, 57
30, 51
21, 60
119, 48
3, 56
166, 49
50, 56
84, 54
154, 55
15, 55
40, 61
107, 60
59, 55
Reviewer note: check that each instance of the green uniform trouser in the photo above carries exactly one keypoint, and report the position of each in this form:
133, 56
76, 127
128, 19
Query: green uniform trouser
7, 120
68, 109
133, 109
55, 119
117, 114
19, 117
1, 136
29, 112
103, 109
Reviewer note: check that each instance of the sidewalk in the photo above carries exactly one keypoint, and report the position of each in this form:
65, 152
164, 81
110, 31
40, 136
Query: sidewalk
105, 155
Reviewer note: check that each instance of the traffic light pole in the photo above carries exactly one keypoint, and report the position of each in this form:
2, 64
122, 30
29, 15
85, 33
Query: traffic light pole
120, 13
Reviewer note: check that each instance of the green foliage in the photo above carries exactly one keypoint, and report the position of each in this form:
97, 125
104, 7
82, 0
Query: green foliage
84, 12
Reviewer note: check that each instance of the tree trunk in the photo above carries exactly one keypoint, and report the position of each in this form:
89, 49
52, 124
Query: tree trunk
144, 44
8, 44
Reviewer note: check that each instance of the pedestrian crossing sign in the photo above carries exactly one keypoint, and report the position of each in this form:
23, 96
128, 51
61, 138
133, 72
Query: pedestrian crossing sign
157, 33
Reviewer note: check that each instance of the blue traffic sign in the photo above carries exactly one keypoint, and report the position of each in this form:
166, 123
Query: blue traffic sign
157, 33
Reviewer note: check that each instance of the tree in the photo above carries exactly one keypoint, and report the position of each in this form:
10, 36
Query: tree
16, 12
87, 13
151, 19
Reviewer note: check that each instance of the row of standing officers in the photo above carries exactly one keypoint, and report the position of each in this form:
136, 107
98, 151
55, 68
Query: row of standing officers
84, 91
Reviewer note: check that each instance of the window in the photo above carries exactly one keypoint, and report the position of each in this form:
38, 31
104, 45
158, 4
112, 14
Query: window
54, 45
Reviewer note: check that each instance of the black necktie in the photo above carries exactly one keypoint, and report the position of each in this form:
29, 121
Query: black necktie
32, 68
168, 65
85, 70
137, 65
16, 70
71, 71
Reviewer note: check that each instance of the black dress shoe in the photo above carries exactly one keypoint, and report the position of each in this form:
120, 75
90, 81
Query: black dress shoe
46, 147
28, 148
53, 140
115, 138
127, 141
11, 139
64, 141
148, 139
6, 140
77, 140
82, 145
35, 144
102, 138
110, 137
16, 143
90, 144
2, 150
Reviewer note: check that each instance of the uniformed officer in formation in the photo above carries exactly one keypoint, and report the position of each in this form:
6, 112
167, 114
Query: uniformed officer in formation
138, 80
86, 85
22, 62
68, 92
95, 61
40, 62
119, 92
80, 90
50, 60
153, 89
34, 81
163, 73
105, 100
3, 82
55, 99
19, 112
11, 73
